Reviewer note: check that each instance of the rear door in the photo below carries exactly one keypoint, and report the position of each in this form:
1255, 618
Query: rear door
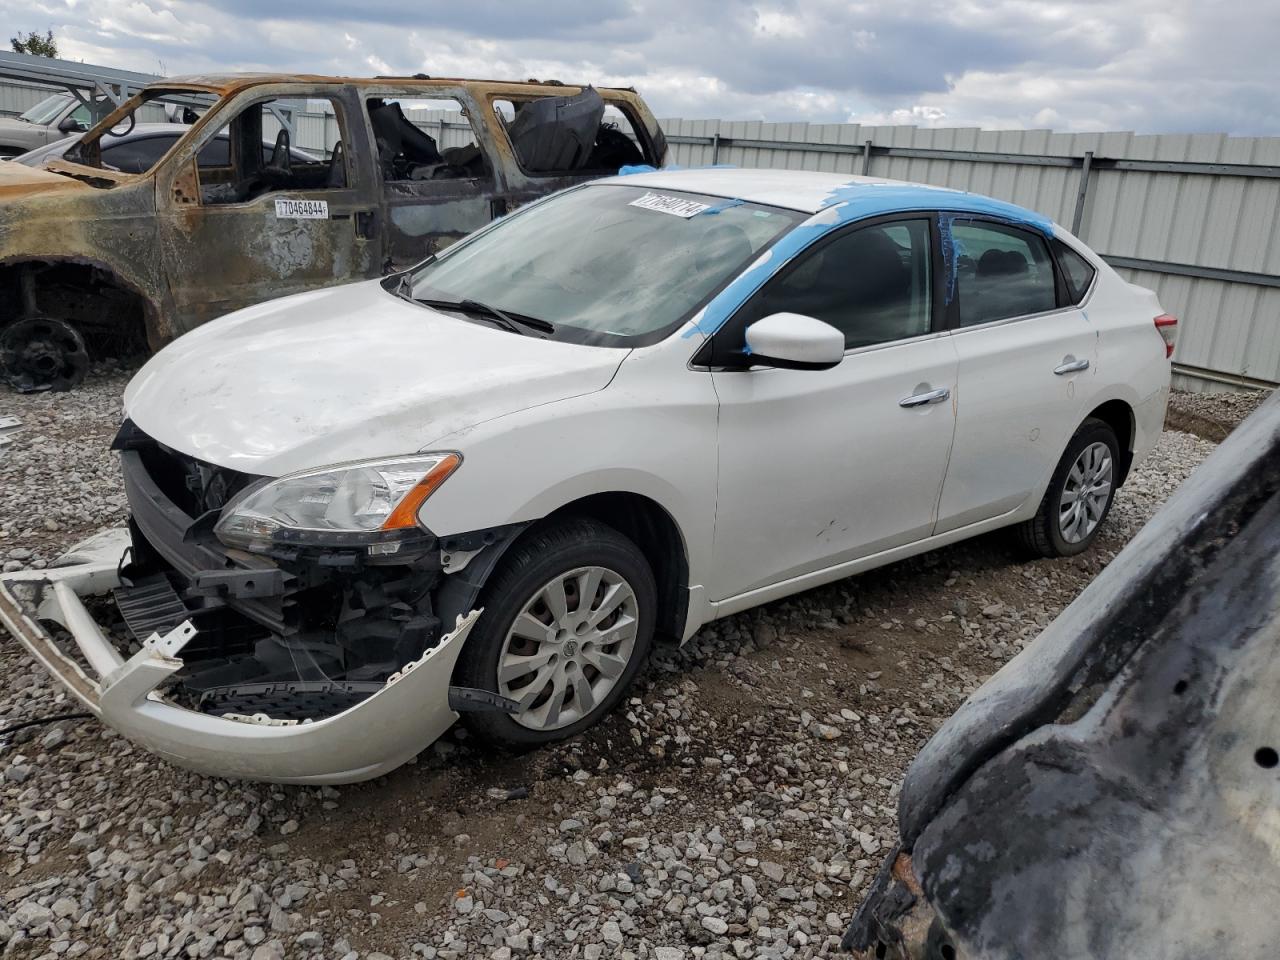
1026, 370
266, 218
819, 467
435, 168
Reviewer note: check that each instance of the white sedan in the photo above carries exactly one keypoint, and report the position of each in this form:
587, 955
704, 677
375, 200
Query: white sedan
485, 486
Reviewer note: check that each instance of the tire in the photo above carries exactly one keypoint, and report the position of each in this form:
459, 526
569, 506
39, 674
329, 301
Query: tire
579, 554
1052, 532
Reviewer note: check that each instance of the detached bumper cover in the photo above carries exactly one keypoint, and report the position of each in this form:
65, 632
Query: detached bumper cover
373, 737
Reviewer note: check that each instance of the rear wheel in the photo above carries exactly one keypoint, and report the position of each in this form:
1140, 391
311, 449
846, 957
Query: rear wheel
568, 621
1079, 495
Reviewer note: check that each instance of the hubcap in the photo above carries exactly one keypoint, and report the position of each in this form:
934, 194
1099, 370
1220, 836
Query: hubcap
1086, 493
568, 647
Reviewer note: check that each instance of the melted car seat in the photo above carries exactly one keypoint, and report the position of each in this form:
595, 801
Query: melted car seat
557, 134
336, 175
402, 147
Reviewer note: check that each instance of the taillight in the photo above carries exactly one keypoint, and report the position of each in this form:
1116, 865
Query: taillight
1167, 325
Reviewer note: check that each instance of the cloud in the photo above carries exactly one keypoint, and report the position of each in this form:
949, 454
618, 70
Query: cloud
1146, 65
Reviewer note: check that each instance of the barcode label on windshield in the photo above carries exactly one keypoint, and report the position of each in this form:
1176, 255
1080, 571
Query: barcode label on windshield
676, 206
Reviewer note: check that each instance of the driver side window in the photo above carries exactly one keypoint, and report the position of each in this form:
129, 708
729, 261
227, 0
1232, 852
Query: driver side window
260, 157
873, 283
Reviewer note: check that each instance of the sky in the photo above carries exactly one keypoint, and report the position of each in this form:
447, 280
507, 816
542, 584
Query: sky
1154, 66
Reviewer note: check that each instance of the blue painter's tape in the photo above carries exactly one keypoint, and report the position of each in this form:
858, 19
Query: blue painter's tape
719, 207
861, 201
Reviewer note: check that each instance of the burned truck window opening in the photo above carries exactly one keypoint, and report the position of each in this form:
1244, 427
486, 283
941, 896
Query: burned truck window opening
176, 110
262, 158
570, 134
407, 149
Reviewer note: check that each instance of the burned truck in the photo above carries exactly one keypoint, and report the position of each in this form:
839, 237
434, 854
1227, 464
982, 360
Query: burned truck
98, 260
1113, 790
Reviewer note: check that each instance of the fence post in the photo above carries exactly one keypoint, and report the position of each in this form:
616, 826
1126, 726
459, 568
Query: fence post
1082, 195
866, 158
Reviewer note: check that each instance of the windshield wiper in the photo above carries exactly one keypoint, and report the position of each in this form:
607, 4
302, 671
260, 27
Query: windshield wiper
509, 321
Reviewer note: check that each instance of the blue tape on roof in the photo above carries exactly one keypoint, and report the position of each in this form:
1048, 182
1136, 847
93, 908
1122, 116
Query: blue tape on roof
634, 168
860, 201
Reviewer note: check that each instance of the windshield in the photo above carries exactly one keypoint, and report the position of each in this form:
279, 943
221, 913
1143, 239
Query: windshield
46, 109
608, 264
179, 107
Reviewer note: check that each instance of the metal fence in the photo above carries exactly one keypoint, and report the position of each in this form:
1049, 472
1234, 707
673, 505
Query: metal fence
16, 98
1194, 217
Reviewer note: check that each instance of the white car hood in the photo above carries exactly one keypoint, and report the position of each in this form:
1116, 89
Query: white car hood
348, 373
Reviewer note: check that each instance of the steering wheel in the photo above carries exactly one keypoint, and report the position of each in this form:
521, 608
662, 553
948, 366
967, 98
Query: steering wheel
131, 120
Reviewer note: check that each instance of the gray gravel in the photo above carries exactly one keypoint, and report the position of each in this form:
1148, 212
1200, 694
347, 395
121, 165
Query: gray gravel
1212, 415
734, 807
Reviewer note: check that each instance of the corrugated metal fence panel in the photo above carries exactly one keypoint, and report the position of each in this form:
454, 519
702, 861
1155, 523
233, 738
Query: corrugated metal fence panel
16, 98
1196, 219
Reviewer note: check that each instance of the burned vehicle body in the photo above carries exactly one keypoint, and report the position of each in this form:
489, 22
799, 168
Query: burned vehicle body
1112, 791
96, 261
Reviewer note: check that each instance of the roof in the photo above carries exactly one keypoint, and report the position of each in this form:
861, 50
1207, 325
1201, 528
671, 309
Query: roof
227, 83
811, 192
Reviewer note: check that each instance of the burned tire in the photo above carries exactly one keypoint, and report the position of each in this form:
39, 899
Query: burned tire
568, 621
1079, 495
41, 353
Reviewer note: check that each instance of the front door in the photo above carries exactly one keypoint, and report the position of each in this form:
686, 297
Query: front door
817, 468
1026, 368
262, 218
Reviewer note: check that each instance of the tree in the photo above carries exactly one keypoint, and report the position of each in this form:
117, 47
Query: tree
35, 44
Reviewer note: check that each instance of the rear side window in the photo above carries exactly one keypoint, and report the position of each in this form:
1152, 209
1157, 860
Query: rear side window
425, 140
1076, 270
1000, 272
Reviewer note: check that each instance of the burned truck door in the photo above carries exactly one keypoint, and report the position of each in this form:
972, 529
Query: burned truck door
264, 218
435, 168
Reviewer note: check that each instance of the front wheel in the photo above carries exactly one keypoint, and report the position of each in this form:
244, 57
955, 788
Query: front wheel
568, 621
1079, 495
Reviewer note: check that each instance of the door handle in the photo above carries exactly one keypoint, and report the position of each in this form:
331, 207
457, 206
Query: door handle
920, 399
1071, 366
366, 224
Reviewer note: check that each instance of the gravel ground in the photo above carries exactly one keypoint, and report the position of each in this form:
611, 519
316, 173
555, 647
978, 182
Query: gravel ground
735, 807
1211, 415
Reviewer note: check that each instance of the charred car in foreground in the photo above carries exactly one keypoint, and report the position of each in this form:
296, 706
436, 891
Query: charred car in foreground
112, 248
487, 484
1113, 790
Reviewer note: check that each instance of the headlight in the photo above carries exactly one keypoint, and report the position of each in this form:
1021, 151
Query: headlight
349, 504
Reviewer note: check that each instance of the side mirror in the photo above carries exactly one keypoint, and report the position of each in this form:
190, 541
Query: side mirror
70, 124
794, 341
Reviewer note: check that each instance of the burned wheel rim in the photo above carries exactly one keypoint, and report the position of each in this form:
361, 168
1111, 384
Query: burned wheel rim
1086, 493
568, 647
42, 354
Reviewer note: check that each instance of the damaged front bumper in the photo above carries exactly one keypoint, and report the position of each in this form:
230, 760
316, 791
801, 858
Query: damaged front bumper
375, 736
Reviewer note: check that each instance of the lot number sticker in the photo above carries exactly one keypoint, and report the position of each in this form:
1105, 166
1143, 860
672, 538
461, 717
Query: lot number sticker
676, 206
302, 209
